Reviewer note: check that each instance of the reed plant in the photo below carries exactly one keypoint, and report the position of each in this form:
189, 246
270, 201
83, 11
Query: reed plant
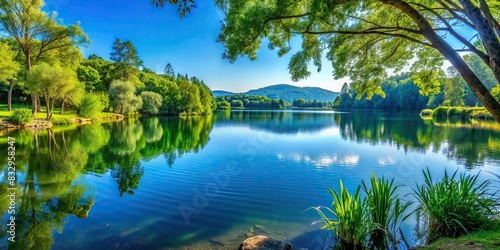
387, 211
370, 222
455, 206
351, 221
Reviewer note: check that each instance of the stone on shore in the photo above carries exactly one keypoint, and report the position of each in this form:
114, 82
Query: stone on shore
261, 242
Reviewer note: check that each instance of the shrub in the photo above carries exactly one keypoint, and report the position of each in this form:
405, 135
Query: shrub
151, 102
21, 116
456, 112
440, 112
90, 106
453, 207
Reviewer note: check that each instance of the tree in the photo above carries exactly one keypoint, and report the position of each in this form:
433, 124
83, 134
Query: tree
299, 102
151, 102
126, 53
363, 39
9, 67
189, 97
123, 97
90, 77
36, 32
169, 71
54, 83
237, 104
126, 62
453, 88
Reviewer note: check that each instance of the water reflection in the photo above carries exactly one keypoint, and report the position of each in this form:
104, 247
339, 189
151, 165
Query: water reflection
471, 143
50, 163
278, 122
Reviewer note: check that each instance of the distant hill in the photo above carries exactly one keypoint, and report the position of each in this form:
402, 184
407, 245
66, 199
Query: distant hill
291, 93
217, 93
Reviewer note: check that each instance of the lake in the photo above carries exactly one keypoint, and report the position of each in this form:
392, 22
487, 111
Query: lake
209, 182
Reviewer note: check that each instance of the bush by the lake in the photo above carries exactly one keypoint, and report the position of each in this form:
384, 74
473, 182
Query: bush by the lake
151, 102
21, 116
372, 222
443, 112
455, 206
440, 112
90, 106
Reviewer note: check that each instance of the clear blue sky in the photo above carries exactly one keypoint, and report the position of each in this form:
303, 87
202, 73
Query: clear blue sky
188, 44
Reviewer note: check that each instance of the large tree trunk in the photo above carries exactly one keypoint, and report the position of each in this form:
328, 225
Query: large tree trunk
486, 33
33, 104
9, 95
39, 104
49, 111
480, 91
62, 107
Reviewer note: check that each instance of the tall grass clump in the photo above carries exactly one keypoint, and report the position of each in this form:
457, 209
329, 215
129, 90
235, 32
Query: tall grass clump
455, 206
387, 212
371, 222
351, 222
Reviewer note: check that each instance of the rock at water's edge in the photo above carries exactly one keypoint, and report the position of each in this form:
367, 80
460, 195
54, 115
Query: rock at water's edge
261, 242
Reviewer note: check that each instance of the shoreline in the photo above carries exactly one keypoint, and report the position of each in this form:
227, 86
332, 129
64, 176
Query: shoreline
41, 123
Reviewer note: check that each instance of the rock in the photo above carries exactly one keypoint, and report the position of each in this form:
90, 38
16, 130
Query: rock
261, 242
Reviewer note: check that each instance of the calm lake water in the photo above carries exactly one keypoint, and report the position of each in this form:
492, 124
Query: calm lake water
209, 182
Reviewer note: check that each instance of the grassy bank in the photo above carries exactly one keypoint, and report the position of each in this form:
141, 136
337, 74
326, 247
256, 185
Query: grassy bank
488, 239
443, 112
68, 117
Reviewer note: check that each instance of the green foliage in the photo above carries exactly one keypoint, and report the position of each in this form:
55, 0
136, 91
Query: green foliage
351, 223
250, 102
123, 98
365, 40
454, 88
21, 115
301, 103
455, 206
90, 105
90, 77
169, 70
372, 221
440, 112
236, 104
387, 212
496, 92
400, 94
456, 112
223, 105
104, 99
125, 53
54, 83
62, 120
151, 102
9, 67
443, 112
